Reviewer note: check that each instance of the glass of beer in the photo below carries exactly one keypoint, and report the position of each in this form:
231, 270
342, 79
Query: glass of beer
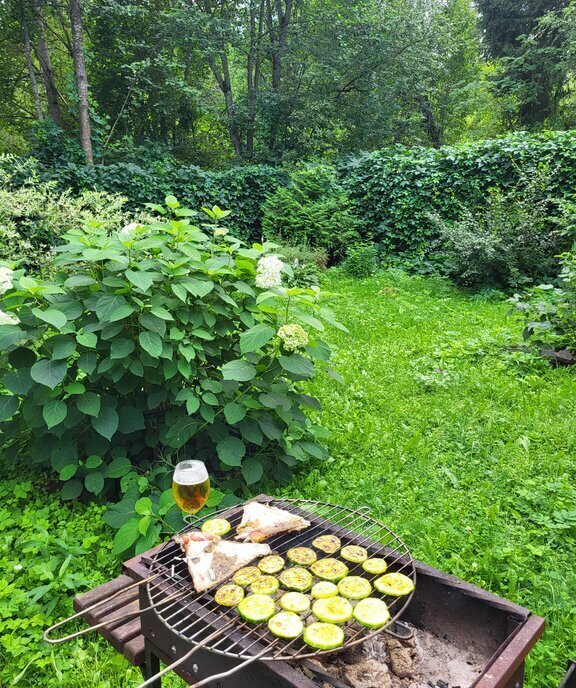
190, 485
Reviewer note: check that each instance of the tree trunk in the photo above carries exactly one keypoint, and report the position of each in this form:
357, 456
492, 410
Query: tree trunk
30, 66
253, 73
81, 80
46, 66
434, 130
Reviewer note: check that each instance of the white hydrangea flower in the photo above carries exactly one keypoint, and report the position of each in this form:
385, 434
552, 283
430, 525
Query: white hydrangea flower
293, 336
18, 567
220, 231
127, 232
269, 272
6, 279
8, 319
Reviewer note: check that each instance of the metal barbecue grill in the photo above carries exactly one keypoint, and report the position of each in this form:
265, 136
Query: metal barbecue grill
202, 623
171, 607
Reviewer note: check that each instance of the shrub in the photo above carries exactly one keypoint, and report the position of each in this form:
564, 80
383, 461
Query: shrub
156, 343
513, 241
313, 210
361, 260
34, 217
306, 264
395, 190
550, 311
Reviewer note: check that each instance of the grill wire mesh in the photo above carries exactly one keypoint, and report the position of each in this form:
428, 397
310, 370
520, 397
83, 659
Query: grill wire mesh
195, 618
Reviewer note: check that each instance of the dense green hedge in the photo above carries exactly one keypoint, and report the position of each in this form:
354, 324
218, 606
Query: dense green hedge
396, 189
243, 188
393, 190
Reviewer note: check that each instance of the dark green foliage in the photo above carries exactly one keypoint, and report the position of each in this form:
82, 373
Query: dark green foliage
313, 209
242, 188
395, 190
550, 310
151, 344
361, 260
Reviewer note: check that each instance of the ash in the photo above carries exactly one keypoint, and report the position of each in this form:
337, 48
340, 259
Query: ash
425, 661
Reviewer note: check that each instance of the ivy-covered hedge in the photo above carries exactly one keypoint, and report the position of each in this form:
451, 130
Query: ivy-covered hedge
394, 190
397, 189
242, 188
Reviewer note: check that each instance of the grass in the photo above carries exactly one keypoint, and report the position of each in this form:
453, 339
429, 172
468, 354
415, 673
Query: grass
473, 467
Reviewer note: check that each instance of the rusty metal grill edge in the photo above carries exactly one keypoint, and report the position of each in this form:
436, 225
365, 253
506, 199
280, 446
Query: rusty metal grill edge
201, 622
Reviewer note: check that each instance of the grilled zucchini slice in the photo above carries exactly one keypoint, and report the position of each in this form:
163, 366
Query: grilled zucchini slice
329, 544
324, 589
354, 553
294, 602
296, 578
371, 612
375, 566
265, 585
301, 555
246, 575
229, 595
257, 608
323, 636
329, 569
332, 610
272, 564
396, 584
354, 587
286, 625
216, 526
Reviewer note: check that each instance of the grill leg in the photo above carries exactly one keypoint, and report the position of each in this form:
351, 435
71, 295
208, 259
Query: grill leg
151, 666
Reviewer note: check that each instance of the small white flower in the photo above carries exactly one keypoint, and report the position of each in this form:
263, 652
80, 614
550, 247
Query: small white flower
18, 567
269, 272
127, 232
6, 277
8, 319
220, 231
293, 336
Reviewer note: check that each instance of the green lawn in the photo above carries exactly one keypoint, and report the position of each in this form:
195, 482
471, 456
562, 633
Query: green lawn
472, 467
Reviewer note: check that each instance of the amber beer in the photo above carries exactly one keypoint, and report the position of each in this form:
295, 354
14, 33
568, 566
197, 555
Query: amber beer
190, 486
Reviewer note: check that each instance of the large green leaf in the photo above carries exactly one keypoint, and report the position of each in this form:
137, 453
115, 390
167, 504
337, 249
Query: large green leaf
89, 403
120, 348
298, 365
121, 312
52, 316
79, 281
87, 363
126, 536
107, 304
234, 412
180, 431
238, 370
49, 373
94, 482
9, 335
8, 406
119, 467
107, 422
252, 471
71, 489
63, 348
18, 381
231, 450
54, 412
256, 337
87, 339
151, 343
140, 279
161, 312
198, 287
118, 514
153, 323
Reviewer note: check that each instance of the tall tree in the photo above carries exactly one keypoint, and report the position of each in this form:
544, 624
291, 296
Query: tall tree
29, 64
46, 68
508, 28
81, 79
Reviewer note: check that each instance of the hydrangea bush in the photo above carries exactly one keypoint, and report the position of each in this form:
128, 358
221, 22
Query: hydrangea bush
153, 344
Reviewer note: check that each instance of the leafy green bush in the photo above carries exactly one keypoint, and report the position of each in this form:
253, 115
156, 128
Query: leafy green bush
313, 210
34, 217
306, 264
361, 260
395, 190
155, 343
550, 311
514, 240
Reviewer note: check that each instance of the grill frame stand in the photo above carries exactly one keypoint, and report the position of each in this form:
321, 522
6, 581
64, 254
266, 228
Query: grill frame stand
504, 669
